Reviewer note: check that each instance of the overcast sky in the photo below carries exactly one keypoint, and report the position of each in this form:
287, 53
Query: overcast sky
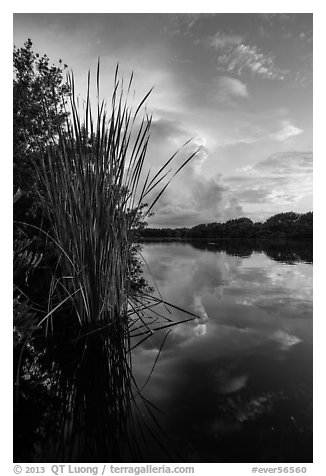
240, 85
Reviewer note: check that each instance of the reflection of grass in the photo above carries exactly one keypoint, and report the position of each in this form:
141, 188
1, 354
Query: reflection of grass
92, 189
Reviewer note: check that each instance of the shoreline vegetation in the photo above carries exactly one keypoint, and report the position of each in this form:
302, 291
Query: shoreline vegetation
81, 305
288, 225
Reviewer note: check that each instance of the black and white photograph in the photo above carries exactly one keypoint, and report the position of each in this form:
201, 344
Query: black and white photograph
163, 239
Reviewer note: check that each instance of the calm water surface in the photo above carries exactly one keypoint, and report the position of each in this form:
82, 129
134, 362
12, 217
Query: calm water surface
235, 384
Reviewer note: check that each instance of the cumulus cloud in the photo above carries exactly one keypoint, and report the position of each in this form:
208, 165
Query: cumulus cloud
174, 216
255, 194
280, 180
207, 193
191, 200
233, 209
163, 129
191, 197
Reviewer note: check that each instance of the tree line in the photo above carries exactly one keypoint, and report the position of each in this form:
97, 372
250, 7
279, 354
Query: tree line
282, 225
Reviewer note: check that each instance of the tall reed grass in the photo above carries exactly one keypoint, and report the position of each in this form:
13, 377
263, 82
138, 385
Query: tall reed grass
91, 173
94, 189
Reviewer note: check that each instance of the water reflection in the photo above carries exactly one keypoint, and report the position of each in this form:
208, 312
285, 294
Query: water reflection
236, 382
76, 399
288, 252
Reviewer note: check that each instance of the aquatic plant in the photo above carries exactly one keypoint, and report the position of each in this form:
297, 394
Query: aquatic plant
91, 174
92, 188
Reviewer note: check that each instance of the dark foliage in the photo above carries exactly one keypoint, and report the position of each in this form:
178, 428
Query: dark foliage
283, 225
39, 97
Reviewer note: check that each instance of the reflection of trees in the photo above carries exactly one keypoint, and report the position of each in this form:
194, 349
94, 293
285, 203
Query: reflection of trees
284, 251
232, 247
289, 252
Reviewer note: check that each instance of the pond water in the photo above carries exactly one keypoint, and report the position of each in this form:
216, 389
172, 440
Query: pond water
234, 385
231, 385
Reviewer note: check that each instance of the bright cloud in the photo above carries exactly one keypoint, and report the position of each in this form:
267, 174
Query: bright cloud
286, 131
284, 339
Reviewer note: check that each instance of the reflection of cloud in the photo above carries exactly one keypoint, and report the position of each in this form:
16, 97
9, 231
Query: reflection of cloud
201, 327
286, 306
274, 289
284, 339
233, 384
240, 409
191, 281
222, 360
241, 303
200, 330
199, 308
